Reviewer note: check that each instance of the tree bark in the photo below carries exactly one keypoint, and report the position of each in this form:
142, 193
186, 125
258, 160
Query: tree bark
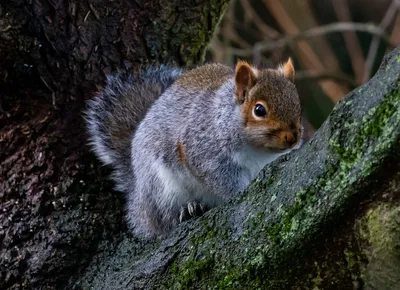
57, 205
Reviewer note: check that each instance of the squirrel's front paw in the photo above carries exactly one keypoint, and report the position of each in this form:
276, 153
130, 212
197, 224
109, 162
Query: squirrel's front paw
192, 209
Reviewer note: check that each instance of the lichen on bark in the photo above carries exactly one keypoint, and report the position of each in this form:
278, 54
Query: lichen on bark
379, 233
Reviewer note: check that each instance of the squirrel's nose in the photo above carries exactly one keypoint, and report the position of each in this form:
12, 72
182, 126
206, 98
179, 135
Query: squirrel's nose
291, 138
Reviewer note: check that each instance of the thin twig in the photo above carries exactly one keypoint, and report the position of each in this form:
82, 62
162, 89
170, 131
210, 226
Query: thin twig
287, 16
53, 95
228, 33
248, 14
86, 16
234, 37
317, 31
94, 11
6, 29
325, 29
336, 76
353, 46
248, 30
316, 55
266, 30
395, 36
373, 48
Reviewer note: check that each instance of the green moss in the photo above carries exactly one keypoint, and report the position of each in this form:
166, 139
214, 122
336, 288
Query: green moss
197, 46
382, 227
354, 260
228, 281
380, 231
317, 280
208, 232
188, 273
194, 48
293, 215
374, 123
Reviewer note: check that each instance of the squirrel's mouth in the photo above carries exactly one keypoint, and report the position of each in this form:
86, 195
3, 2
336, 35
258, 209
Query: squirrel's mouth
283, 150
277, 150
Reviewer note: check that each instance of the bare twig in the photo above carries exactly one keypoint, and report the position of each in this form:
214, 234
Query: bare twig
291, 15
230, 35
336, 76
248, 30
53, 95
395, 36
321, 30
353, 46
373, 48
94, 11
6, 29
86, 16
266, 30
264, 61
313, 32
217, 50
233, 36
248, 14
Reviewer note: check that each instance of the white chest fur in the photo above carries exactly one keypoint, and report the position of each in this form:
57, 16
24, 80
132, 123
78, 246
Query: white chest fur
253, 160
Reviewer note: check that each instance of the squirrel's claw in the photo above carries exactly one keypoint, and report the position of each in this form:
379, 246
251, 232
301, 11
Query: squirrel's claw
192, 209
195, 208
182, 214
191, 206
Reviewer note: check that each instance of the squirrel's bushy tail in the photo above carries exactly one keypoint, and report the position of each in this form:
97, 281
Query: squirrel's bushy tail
114, 113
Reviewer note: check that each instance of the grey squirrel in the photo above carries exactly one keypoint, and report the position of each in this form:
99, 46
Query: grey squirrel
181, 142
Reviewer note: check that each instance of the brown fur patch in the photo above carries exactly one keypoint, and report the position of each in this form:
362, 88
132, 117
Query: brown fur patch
208, 76
182, 157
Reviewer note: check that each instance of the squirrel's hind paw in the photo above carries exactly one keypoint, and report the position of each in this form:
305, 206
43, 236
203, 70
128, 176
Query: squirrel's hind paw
192, 209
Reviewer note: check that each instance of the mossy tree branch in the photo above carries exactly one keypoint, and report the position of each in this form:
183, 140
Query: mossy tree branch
315, 218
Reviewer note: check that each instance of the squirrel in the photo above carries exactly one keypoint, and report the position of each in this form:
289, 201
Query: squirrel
183, 141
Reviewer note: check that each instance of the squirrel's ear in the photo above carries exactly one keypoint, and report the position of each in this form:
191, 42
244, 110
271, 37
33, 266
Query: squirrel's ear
245, 79
287, 70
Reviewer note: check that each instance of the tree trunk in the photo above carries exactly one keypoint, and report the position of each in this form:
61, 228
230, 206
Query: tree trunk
57, 206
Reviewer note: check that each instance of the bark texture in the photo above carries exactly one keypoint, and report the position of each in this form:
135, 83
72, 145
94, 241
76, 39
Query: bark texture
324, 217
57, 205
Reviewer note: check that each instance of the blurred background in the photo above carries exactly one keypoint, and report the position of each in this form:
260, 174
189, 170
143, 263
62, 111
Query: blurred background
336, 45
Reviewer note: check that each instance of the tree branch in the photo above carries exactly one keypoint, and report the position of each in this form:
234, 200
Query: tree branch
337, 76
342, 10
266, 30
373, 48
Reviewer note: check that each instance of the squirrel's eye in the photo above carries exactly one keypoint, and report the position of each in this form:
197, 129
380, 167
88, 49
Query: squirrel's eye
260, 111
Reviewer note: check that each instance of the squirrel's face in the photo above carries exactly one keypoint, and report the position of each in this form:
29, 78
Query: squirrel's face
270, 106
